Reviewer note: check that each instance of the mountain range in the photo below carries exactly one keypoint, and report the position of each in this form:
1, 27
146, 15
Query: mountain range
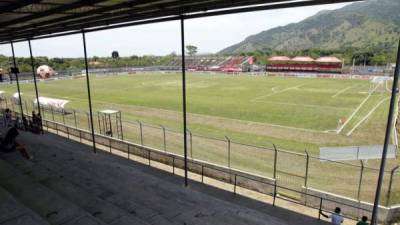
372, 24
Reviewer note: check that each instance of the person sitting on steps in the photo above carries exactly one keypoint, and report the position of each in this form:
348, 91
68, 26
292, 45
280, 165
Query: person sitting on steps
10, 144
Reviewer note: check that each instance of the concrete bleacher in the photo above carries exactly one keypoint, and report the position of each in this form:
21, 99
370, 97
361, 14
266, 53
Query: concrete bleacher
66, 183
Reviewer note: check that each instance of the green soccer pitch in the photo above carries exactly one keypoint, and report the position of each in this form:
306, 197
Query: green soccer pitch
294, 113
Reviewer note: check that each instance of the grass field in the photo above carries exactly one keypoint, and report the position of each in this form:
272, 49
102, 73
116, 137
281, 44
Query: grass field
296, 114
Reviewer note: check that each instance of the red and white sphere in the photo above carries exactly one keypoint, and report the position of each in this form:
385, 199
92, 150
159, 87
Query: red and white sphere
45, 72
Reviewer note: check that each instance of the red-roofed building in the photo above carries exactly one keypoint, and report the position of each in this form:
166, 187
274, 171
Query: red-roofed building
304, 64
328, 59
279, 59
302, 59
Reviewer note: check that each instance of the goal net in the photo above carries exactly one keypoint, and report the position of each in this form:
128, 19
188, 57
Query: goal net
380, 85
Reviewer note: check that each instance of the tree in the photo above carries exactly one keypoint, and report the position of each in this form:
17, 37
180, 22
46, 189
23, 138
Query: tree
191, 50
115, 55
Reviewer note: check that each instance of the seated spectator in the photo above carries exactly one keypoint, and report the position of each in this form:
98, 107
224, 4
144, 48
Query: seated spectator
336, 217
19, 123
25, 123
364, 221
10, 144
7, 118
39, 120
36, 123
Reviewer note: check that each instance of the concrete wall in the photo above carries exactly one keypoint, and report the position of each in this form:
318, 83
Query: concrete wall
350, 207
310, 197
235, 177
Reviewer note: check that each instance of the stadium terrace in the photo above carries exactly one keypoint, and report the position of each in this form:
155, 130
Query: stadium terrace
78, 176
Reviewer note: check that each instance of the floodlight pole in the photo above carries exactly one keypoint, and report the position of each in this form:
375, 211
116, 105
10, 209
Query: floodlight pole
34, 77
184, 98
88, 89
16, 77
374, 218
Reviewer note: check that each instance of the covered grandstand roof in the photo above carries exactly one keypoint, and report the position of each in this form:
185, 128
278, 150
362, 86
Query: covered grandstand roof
302, 59
279, 58
328, 59
21, 20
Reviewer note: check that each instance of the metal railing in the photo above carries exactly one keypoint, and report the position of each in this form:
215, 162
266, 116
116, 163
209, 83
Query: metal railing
322, 204
290, 169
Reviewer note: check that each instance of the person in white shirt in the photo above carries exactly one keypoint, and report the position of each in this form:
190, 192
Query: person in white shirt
336, 217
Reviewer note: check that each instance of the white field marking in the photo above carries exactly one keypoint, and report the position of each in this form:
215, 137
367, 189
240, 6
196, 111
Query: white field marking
273, 89
342, 91
303, 105
366, 116
277, 92
208, 116
355, 111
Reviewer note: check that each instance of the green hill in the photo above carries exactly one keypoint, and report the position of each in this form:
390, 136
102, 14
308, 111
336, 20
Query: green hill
369, 25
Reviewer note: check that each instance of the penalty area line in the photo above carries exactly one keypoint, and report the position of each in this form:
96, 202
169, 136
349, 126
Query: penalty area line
366, 116
355, 111
276, 92
343, 90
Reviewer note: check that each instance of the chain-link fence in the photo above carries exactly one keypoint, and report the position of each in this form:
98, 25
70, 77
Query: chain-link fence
293, 170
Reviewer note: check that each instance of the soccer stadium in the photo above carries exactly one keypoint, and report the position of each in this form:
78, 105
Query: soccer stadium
190, 139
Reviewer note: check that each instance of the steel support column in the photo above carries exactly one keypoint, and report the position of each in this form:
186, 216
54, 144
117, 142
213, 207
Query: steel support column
184, 98
374, 218
16, 78
88, 90
34, 78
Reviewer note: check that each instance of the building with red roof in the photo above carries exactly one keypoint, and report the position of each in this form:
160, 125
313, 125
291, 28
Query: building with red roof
326, 64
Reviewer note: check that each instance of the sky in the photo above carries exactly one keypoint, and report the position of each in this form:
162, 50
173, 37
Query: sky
210, 35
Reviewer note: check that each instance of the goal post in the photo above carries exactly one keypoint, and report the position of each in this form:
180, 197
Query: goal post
379, 84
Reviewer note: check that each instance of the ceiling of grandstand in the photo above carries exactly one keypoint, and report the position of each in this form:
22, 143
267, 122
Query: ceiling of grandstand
21, 20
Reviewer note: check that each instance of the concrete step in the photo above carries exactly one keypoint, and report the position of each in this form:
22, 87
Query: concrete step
43, 201
75, 171
155, 200
13, 212
97, 207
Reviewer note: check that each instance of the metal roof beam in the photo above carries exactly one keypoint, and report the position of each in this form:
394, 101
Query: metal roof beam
17, 5
100, 10
197, 15
55, 10
128, 14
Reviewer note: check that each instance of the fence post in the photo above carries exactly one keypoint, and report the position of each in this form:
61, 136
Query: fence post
306, 174
191, 143
320, 209
275, 160
360, 180
274, 199
234, 187
44, 112
76, 124
141, 132
88, 121
26, 107
52, 114
164, 140
173, 165
390, 185
229, 150
63, 116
